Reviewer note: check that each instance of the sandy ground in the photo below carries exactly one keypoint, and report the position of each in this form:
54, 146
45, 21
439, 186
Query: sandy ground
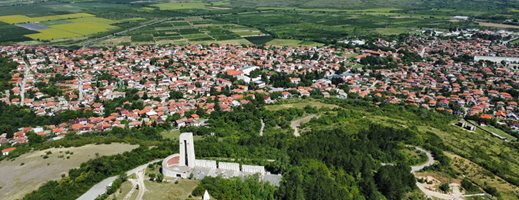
18, 179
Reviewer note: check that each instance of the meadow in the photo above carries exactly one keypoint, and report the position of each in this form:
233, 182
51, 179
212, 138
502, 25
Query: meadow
180, 6
35, 168
80, 27
16, 19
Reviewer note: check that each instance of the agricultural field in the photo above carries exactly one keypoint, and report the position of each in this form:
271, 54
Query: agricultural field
17, 19
54, 27
12, 33
38, 167
293, 43
189, 30
180, 6
332, 24
74, 28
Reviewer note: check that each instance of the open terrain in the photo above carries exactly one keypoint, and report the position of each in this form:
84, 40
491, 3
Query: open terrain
27, 172
174, 190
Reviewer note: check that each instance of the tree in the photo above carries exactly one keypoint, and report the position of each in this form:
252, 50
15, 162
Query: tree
34, 138
444, 187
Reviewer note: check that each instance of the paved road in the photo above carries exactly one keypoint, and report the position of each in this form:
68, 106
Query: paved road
102, 186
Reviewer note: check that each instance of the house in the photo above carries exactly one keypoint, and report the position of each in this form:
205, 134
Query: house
6, 152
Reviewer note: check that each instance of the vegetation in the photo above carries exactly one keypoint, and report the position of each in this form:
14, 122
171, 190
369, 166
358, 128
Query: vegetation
7, 66
235, 188
80, 180
308, 21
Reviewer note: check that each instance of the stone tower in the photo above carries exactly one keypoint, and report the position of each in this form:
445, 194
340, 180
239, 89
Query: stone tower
187, 150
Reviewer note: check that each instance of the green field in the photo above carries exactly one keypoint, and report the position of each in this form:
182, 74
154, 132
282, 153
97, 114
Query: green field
164, 191
12, 33
293, 43
299, 105
80, 27
180, 6
16, 19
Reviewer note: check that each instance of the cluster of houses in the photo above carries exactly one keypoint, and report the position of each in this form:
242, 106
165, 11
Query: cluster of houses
89, 76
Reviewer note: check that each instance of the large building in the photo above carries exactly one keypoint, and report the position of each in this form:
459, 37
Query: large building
185, 165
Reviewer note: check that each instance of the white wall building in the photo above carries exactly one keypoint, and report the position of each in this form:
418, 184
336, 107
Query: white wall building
229, 166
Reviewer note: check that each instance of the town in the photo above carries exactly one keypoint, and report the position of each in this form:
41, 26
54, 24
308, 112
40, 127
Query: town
177, 84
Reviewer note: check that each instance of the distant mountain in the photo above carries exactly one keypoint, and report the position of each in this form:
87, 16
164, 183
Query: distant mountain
483, 5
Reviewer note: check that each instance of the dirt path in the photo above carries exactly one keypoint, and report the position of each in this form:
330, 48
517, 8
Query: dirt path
140, 182
134, 187
430, 160
294, 124
262, 127
102, 186
455, 193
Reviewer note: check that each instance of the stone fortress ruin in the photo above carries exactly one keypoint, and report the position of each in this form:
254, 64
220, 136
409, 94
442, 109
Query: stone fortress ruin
185, 165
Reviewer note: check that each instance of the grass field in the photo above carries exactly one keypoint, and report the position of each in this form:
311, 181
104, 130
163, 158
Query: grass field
167, 191
293, 43
121, 192
483, 177
175, 134
497, 25
74, 28
27, 172
13, 33
15, 19
299, 105
180, 6
497, 131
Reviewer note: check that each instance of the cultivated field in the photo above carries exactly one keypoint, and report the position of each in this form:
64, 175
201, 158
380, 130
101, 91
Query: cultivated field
189, 30
180, 6
16, 19
74, 28
293, 43
27, 172
497, 25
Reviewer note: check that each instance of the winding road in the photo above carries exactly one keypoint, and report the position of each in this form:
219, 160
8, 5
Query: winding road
455, 194
101, 187
430, 160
